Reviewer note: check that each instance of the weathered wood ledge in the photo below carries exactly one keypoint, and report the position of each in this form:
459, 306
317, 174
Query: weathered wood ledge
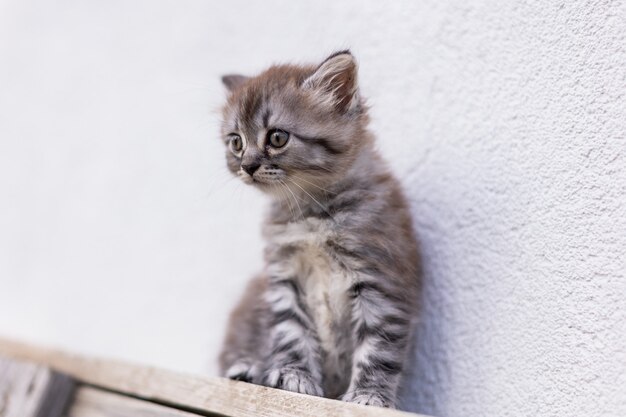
114, 388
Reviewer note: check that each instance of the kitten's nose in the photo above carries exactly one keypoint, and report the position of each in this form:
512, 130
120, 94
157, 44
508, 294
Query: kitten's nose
251, 168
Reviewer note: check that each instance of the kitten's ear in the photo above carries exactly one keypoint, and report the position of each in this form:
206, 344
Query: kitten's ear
233, 81
335, 81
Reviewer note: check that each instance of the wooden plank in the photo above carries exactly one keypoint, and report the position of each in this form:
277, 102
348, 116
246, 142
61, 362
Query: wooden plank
22, 388
192, 393
31, 390
92, 402
58, 395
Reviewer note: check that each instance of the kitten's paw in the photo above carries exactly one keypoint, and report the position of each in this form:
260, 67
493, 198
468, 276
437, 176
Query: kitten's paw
294, 380
367, 397
242, 371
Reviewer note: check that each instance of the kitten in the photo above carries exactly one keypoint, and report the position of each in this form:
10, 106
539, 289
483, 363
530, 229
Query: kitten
333, 311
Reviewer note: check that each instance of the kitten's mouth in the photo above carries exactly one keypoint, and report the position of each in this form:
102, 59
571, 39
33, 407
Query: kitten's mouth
264, 180
256, 181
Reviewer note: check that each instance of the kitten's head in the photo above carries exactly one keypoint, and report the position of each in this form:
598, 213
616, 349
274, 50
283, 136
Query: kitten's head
299, 126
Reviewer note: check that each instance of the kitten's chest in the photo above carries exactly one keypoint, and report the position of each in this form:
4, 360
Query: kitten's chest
324, 282
300, 251
325, 287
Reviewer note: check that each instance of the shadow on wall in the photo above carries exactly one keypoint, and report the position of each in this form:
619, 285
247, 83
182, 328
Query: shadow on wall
426, 374
413, 388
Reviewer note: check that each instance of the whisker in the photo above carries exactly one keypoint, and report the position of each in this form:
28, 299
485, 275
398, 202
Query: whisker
318, 203
280, 187
314, 185
306, 161
294, 197
283, 195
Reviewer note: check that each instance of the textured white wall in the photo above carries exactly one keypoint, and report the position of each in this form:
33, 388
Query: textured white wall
121, 233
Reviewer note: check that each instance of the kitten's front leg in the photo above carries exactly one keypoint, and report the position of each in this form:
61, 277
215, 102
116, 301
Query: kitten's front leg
294, 359
381, 328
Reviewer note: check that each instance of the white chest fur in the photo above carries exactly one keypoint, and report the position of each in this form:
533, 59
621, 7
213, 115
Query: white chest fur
325, 292
324, 285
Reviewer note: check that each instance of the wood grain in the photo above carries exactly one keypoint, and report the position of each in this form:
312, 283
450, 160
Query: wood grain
192, 393
31, 390
92, 402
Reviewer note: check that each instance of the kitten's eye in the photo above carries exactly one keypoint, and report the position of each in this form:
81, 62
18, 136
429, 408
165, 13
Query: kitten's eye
236, 144
277, 138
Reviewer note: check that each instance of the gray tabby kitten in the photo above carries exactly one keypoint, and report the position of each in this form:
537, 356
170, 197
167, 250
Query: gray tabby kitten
332, 313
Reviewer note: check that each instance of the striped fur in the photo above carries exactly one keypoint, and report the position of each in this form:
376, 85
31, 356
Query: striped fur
332, 313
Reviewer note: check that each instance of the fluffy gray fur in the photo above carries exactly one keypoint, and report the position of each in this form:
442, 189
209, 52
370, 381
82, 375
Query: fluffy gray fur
333, 311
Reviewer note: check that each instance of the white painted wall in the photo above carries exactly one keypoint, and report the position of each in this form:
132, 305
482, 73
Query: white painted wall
122, 235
